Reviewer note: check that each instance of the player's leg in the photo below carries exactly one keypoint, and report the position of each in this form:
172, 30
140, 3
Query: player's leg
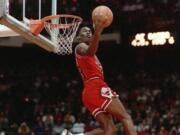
107, 126
106, 122
117, 109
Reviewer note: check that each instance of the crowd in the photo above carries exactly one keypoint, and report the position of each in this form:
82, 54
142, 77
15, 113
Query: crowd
40, 94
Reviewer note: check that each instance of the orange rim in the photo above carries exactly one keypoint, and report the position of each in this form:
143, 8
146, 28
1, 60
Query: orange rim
36, 26
45, 19
60, 26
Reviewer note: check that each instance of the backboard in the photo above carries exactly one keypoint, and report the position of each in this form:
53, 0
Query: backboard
13, 24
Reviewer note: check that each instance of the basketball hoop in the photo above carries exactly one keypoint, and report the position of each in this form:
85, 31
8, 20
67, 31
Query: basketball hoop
62, 29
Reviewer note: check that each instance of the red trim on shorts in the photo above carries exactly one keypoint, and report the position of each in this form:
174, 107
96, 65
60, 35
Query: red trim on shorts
106, 104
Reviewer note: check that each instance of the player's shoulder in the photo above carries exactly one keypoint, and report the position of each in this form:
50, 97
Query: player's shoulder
81, 49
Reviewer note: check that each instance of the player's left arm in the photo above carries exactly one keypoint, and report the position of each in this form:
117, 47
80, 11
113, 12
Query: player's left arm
89, 50
94, 44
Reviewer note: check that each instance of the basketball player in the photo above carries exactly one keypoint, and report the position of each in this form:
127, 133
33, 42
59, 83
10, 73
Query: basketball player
102, 102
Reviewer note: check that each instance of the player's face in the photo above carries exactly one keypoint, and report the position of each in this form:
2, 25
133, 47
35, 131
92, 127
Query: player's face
85, 34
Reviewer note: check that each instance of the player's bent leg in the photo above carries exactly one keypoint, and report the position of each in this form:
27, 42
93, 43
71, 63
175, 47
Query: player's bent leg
108, 127
117, 109
106, 121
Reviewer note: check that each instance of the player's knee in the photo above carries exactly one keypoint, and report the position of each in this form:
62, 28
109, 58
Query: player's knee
111, 130
125, 116
110, 133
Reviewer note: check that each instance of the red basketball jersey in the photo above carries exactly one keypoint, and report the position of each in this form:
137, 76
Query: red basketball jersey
89, 67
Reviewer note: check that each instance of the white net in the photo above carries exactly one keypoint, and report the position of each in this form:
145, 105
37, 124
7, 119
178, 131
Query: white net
62, 29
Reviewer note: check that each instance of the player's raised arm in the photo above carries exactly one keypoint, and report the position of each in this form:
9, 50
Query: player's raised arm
93, 45
102, 17
88, 43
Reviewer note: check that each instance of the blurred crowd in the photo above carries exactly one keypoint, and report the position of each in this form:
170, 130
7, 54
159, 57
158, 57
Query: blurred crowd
137, 14
40, 94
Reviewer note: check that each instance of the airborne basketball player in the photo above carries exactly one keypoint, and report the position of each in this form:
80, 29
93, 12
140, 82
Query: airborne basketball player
102, 102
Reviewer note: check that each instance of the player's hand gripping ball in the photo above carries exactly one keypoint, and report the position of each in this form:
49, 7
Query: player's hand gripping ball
102, 14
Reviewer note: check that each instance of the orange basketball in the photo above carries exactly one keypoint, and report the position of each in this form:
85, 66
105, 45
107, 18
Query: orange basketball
102, 13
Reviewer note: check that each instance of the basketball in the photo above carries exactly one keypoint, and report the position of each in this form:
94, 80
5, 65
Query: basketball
102, 13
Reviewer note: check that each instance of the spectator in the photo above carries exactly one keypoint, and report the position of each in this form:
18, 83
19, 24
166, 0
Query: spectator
163, 131
48, 121
57, 128
78, 126
39, 128
24, 129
